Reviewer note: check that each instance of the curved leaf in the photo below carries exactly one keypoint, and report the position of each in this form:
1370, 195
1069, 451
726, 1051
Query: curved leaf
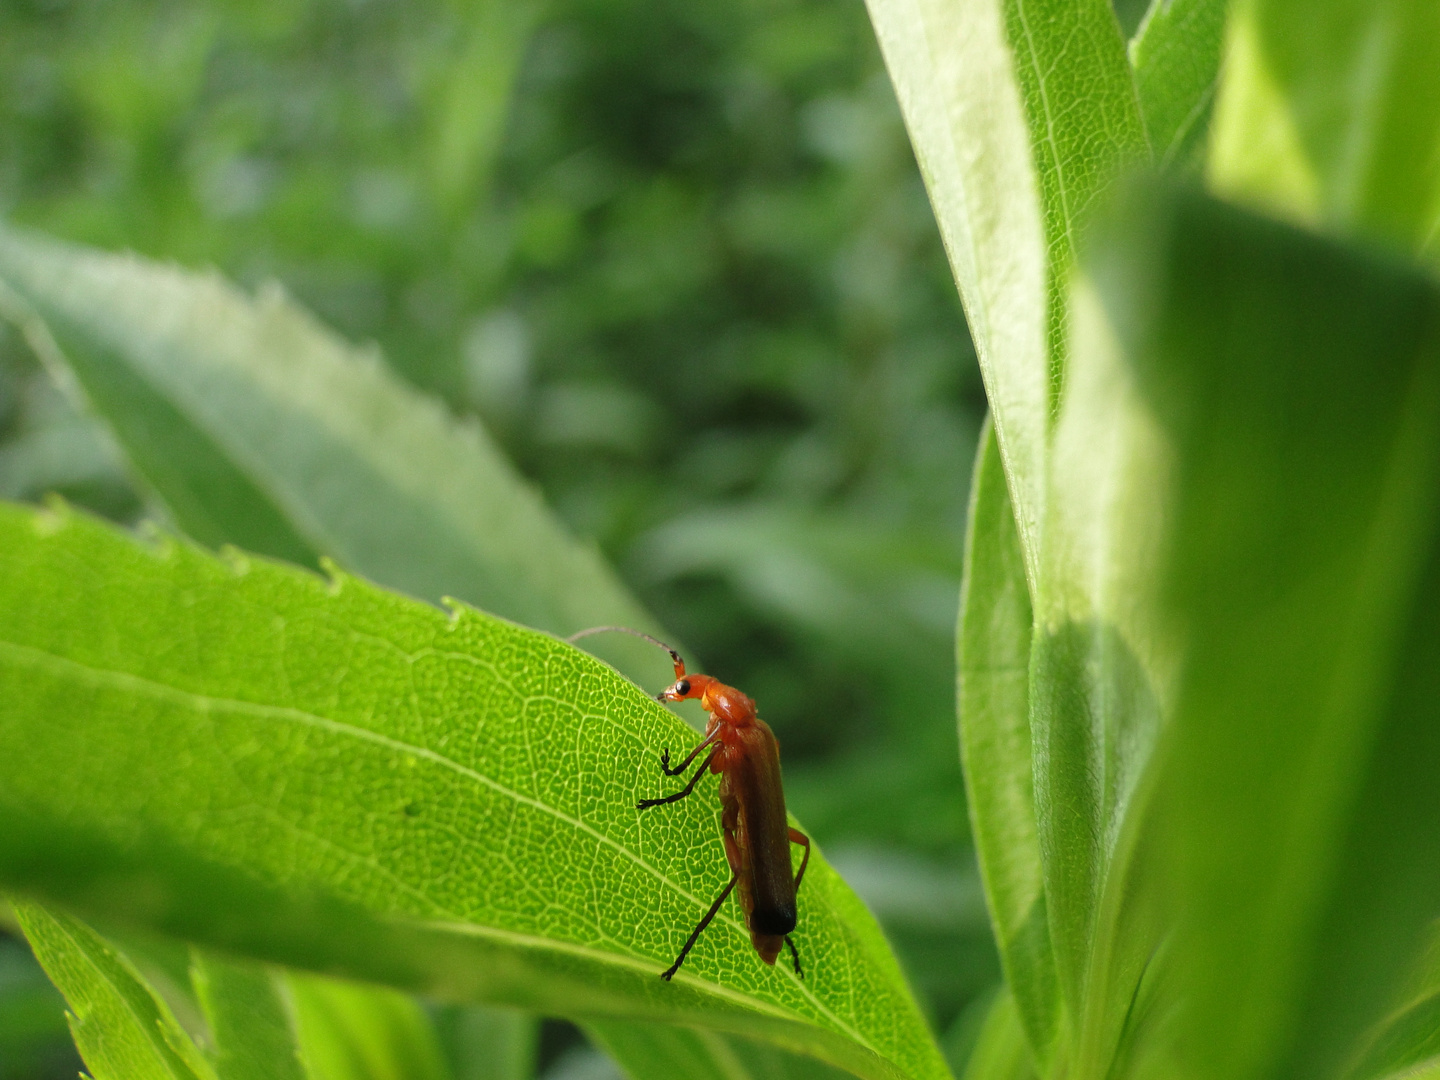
123, 1031
337, 777
955, 79
259, 427
1176, 55
1329, 112
1291, 811
993, 661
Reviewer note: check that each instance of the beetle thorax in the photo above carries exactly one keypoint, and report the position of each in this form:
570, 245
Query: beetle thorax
728, 705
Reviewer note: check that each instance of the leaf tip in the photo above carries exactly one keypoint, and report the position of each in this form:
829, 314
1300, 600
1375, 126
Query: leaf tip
52, 515
155, 539
337, 577
237, 560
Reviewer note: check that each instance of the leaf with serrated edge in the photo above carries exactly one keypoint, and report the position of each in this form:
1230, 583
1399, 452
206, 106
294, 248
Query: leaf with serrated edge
259, 427
353, 781
122, 1030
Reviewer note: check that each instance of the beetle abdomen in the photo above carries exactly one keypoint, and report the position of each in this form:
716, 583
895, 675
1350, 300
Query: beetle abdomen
776, 921
755, 781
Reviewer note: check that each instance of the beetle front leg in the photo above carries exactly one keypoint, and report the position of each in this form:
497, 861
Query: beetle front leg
645, 804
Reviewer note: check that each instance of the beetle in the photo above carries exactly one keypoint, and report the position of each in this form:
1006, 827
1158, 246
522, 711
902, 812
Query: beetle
744, 751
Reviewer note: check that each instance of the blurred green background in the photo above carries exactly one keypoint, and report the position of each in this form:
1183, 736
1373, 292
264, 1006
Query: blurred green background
675, 254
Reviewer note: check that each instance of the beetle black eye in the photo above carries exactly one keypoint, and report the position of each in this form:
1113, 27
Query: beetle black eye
682, 687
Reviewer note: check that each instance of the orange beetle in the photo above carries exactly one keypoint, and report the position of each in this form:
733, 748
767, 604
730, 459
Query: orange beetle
744, 751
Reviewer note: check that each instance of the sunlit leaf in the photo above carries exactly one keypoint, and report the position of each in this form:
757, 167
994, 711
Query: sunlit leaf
123, 1031
1293, 386
336, 777
994, 674
249, 1019
1329, 113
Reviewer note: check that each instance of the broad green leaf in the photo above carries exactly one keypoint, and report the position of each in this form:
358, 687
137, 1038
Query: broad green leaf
1329, 113
352, 1032
1001, 1051
258, 427
123, 1031
483, 1042
1294, 391
1409, 1036
955, 79
1176, 55
383, 480
989, 90
993, 640
251, 1031
336, 777
662, 1053
1068, 52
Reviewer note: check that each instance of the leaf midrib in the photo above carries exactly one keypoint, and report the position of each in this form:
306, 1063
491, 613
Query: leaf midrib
104, 677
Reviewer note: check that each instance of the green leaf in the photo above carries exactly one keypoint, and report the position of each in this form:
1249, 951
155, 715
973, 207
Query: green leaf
1294, 391
486, 1043
249, 1021
993, 641
259, 427
353, 1032
123, 1031
335, 777
1014, 168
1099, 667
1070, 51
1329, 113
662, 1053
1001, 1052
222, 479
1176, 56
955, 79
1409, 1036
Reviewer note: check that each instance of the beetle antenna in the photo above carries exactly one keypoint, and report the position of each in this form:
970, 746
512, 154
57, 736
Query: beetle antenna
674, 656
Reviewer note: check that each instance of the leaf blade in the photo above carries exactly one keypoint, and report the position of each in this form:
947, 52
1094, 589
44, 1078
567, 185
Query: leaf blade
123, 1031
284, 677
993, 664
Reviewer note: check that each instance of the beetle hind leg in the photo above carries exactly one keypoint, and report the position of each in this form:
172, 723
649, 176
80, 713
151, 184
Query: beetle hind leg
669, 973
795, 956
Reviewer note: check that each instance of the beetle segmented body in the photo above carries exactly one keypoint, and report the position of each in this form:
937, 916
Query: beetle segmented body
745, 753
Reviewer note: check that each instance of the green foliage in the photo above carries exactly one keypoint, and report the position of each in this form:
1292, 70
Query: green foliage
121, 1027
1198, 642
1196, 657
329, 747
248, 1018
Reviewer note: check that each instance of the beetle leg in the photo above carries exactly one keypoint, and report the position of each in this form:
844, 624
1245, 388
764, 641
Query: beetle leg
645, 804
669, 972
798, 837
678, 769
794, 956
